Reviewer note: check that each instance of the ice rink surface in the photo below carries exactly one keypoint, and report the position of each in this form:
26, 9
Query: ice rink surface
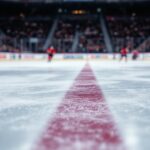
30, 93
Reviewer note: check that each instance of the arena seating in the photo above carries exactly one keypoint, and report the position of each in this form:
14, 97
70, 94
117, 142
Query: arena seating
90, 36
17, 32
128, 31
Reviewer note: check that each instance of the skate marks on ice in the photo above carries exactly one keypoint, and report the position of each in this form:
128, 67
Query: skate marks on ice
127, 90
29, 96
83, 120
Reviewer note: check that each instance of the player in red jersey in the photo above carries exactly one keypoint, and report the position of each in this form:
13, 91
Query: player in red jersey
135, 54
124, 53
51, 51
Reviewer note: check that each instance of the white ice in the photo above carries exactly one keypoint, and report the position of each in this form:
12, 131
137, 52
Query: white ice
126, 86
30, 93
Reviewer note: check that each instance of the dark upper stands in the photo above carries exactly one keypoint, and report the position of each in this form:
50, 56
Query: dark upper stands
128, 31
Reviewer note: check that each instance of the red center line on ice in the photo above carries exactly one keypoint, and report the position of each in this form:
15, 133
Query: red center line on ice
83, 121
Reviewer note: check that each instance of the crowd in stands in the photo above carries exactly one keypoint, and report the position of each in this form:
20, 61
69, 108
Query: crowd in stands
89, 36
17, 33
130, 31
6, 44
91, 39
24, 29
145, 46
64, 36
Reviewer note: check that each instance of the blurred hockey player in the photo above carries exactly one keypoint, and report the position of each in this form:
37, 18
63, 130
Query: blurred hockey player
124, 53
135, 54
51, 51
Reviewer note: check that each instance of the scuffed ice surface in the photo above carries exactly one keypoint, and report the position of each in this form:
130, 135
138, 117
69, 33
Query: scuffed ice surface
29, 95
126, 87
31, 92
83, 121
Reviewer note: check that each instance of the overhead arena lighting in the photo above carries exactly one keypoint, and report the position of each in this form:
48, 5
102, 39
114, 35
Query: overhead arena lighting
61, 1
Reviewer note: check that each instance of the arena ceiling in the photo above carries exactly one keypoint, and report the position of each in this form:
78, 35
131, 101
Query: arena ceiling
61, 1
